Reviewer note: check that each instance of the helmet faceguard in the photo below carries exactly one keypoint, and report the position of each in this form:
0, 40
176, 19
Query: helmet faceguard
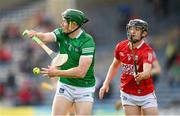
138, 23
76, 16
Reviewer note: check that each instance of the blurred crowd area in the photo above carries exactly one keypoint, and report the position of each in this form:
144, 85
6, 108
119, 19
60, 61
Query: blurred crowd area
108, 19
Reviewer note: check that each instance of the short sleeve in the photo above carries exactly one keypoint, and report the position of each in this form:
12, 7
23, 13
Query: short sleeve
58, 34
88, 48
148, 56
116, 52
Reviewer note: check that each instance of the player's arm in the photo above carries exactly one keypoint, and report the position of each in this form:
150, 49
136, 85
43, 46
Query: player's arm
145, 74
113, 69
147, 66
45, 37
76, 72
79, 71
156, 69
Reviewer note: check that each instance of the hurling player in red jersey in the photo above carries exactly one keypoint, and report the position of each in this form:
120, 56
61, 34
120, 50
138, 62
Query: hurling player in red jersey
137, 90
155, 72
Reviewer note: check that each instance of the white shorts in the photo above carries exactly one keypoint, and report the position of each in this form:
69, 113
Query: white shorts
75, 94
146, 101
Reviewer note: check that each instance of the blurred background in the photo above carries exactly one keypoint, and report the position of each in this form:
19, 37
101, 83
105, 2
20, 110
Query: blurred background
21, 92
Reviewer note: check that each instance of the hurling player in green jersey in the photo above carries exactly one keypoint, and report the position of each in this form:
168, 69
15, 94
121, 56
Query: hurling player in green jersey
76, 83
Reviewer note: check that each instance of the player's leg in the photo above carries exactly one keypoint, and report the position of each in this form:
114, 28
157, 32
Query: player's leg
150, 111
132, 110
72, 111
83, 108
130, 104
63, 100
150, 106
61, 106
83, 100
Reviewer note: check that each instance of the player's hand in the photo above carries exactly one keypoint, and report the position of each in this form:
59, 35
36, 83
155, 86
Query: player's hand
50, 71
139, 77
142, 76
103, 89
31, 33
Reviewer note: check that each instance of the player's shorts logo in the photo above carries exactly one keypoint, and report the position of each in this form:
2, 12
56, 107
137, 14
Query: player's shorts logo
124, 98
61, 90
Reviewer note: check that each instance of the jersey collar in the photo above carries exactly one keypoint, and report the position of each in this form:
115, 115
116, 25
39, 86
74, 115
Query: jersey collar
140, 44
79, 34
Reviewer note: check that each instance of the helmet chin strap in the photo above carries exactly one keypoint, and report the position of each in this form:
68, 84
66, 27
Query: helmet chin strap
134, 41
72, 31
130, 37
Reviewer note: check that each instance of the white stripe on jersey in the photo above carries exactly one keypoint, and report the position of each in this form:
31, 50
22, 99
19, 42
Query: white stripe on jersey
55, 39
88, 50
86, 55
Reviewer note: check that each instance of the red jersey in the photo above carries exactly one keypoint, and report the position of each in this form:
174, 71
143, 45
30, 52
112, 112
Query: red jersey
143, 54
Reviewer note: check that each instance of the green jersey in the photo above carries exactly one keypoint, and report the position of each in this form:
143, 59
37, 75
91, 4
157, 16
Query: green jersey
75, 48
